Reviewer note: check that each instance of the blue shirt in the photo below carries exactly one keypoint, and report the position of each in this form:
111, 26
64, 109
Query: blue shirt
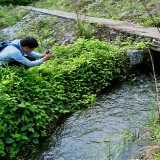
11, 53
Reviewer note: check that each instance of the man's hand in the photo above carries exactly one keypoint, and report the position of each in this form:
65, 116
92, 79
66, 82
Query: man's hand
45, 53
47, 56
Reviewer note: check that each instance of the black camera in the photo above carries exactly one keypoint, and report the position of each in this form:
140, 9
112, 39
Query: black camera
48, 51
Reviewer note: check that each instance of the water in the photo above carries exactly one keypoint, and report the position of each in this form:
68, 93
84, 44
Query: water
93, 134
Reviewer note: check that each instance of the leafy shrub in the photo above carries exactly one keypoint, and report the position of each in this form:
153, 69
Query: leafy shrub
84, 30
150, 21
141, 45
30, 99
20, 116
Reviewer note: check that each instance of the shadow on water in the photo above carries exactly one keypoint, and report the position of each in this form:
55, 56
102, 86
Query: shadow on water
99, 133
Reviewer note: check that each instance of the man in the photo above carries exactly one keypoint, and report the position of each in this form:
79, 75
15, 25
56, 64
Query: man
23, 53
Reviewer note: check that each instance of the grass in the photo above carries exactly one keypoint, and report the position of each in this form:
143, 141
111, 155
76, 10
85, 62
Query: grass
132, 10
11, 15
154, 127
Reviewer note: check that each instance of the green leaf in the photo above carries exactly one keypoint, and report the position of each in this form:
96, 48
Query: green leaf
1, 143
36, 134
35, 141
9, 140
16, 136
24, 137
30, 124
31, 129
24, 128
14, 144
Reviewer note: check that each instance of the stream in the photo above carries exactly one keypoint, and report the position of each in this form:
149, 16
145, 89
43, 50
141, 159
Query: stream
98, 133
107, 131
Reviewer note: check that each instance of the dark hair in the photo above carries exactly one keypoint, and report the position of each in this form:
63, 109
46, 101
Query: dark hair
29, 42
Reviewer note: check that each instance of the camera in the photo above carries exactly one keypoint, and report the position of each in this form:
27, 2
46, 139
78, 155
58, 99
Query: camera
48, 51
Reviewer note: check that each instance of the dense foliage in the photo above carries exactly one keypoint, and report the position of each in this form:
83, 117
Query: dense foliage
17, 2
30, 99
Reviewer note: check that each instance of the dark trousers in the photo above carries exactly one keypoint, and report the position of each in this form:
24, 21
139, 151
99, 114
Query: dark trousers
16, 63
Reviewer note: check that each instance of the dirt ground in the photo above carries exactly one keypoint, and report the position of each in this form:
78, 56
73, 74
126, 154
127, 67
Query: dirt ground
148, 153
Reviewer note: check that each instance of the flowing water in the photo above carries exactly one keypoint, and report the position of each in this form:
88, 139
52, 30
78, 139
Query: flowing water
98, 133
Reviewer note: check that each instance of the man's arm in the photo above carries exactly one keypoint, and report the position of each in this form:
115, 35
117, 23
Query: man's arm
38, 55
34, 55
20, 58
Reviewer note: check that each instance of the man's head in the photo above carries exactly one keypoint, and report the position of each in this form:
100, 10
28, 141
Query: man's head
28, 44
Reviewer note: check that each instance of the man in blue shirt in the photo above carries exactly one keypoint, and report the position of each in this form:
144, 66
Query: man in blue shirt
13, 55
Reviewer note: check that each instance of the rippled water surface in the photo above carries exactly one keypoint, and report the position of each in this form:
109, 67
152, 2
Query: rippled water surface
92, 134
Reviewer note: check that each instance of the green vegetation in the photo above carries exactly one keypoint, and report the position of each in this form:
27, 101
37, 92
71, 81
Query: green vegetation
131, 10
153, 123
11, 15
84, 29
32, 98
154, 128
